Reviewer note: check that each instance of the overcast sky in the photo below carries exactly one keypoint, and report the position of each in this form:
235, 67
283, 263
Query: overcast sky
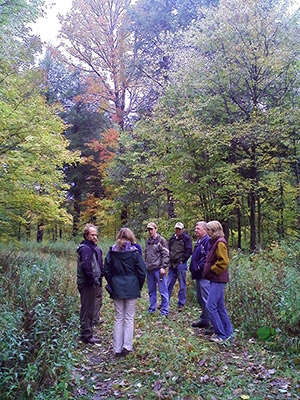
48, 27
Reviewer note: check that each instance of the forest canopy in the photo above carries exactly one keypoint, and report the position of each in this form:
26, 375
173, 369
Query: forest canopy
151, 110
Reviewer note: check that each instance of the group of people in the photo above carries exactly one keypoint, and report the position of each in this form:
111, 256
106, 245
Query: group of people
164, 263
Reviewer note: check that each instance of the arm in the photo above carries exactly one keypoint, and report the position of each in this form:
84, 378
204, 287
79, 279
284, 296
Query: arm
86, 255
140, 270
222, 259
187, 250
165, 255
107, 268
100, 261
206, 247
138, 247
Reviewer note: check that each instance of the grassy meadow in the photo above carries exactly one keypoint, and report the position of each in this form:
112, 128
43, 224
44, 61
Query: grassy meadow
42, 358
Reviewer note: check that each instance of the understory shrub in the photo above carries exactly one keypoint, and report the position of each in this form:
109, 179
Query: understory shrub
39, 324
264, 293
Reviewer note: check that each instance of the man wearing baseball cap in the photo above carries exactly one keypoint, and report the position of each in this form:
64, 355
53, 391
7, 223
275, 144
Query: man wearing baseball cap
180, 247
157, 260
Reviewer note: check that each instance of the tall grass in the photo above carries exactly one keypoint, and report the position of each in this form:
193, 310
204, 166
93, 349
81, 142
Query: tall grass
264, 294
39, 325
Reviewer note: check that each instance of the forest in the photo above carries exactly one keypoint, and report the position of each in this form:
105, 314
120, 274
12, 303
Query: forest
150, 110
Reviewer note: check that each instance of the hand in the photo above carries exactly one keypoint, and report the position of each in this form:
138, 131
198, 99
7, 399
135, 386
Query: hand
162, 271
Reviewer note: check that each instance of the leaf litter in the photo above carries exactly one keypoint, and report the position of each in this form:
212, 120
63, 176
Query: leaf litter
173, 361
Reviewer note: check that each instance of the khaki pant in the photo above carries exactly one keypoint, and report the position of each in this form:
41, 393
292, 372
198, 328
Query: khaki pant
124, 324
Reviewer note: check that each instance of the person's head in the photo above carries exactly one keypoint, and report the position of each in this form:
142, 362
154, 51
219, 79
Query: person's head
214, 229
179, 228
152, 229
90, 233
200, 229
125, 235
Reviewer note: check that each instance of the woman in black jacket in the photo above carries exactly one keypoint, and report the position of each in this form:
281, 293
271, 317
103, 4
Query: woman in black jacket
125, 272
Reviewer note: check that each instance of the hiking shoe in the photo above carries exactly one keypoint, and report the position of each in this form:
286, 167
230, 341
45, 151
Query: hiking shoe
118, 355
125, 352
217, 339
210, 331
180, 308
97, 323
213, 336
92, 340
200, 324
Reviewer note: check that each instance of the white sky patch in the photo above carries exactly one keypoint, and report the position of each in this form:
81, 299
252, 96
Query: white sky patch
48, 27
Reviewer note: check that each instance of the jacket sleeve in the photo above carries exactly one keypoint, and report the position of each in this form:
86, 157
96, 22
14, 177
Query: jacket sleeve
107, 268
193, 265
222, 259
86, 255
165, 254
100, 261
140, 270
206, 247
188, 249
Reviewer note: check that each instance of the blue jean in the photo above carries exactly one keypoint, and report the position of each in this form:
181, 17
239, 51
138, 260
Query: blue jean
153, 281
217, 311
180, 274
202, 290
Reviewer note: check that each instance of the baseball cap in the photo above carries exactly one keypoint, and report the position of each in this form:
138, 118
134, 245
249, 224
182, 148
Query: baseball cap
179, 225
151, 225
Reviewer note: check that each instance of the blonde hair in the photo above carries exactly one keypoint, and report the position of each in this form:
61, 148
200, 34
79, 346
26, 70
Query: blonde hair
124, 235
87, 228
216, 227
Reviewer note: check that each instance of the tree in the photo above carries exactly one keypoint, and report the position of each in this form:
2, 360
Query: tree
89, 131
97, 39
33, 154
33, 150
240, 67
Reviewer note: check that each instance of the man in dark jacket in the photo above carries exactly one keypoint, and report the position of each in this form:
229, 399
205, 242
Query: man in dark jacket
89, 267
180, 247
198, 259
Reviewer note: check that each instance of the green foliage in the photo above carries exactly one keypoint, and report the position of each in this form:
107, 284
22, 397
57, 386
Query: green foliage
222, 142
33, 151
263, 294
171, 360
39, 324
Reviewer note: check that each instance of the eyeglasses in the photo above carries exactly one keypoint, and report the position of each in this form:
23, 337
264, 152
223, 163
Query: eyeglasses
150, 229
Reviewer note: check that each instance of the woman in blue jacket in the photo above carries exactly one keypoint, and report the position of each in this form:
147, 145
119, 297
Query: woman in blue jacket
125, 272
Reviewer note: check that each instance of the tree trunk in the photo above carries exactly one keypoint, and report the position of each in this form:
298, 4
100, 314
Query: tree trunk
259, 222
40, 232
77, 210
281, 203
252, 221
170, 201
297, 172
239, 227
124, 215
28, 231
225, 226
